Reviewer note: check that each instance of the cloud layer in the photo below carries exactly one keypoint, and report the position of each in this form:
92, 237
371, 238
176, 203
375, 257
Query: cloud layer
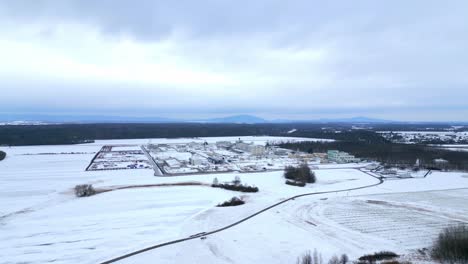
278, 59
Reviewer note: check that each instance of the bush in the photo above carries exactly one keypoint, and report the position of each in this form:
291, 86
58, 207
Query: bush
235, 201
316, 258
452, 245
235, 185
344, 259
378, 256
300, 174
295, 183
84, 190
306, 258
215, 182
2, 155
334, 260
239, 188
237, 180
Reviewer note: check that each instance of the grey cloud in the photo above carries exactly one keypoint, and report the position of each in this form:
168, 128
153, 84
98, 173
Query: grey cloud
149, 19
401, 55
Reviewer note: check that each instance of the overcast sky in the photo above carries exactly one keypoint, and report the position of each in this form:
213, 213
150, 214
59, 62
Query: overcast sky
400, 60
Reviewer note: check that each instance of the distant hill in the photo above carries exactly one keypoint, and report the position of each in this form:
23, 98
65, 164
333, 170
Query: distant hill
40, 119
239, 119
358, 119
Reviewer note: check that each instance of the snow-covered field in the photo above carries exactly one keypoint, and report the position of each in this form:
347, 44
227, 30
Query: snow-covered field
453, 147
42, 221
423, 136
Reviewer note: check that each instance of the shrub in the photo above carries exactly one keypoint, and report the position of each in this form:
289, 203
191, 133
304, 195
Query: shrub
235, 201
306, 258
239, 188
344, 259
234, 186
215, 182
84, 190
237, 180
316, 258
378, 256
300, 174
334, 260
2, 155
452, 245
295, 183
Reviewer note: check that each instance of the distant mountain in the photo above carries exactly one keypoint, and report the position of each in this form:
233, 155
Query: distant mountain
54, 119
238, 119
23, 119
358, 119
250, 119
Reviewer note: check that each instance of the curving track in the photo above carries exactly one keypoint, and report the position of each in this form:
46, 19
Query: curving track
203, 234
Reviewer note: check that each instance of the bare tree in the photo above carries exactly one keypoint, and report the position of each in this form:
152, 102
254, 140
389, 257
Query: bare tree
237, 180
334, 260
316, 257
215, 182
305, 259
344, 259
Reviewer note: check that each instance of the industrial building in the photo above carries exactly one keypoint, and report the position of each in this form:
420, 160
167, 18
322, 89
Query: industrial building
172, 163
196, 160
242, 146
223, 144
257, 150
216, 158
222, 156
341, 157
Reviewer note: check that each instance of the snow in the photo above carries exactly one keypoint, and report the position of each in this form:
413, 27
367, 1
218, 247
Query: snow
42, 221
343, 223
452, 147
410, 137
126, 148
259, 140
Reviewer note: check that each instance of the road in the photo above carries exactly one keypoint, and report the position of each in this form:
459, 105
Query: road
204, 234
157, 170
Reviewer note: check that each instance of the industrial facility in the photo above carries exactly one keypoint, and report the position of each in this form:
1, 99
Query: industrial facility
202, 157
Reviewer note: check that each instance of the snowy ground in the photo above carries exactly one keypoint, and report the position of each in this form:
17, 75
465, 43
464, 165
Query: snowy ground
420, 136
453, 147
354, 223
41, 221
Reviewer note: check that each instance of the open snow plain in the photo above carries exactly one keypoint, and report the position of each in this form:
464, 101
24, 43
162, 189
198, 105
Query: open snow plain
41, 221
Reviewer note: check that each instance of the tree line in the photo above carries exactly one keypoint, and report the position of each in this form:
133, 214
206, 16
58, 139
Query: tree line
404, 155
82, 133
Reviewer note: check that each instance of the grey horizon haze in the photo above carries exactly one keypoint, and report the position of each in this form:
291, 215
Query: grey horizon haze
396, 60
